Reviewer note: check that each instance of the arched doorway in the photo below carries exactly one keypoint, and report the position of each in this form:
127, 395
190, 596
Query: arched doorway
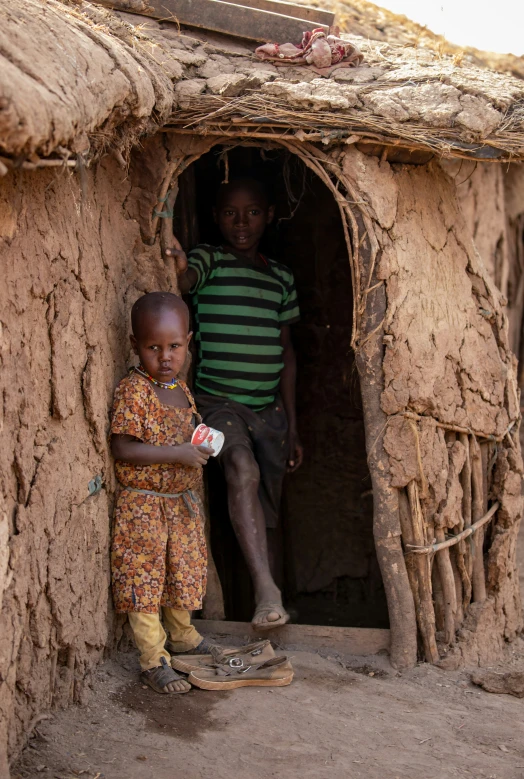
326, 551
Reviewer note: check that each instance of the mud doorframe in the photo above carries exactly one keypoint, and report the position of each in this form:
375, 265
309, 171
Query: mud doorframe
154, 172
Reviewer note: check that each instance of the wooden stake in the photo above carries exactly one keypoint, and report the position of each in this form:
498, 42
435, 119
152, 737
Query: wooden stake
465, 480
457, 565
477, 490
411, 563
447, 581
423, 568
438, 598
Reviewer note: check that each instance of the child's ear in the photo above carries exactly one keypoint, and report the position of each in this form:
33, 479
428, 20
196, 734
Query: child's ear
270, 214
133, 343
189, 336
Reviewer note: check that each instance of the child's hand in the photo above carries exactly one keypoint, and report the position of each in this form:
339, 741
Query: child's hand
189, 454
296, 452
178, 255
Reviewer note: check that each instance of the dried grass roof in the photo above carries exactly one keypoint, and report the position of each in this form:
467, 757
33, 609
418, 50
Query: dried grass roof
77, 79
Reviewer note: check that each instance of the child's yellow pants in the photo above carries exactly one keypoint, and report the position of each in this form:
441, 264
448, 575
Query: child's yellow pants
150, 636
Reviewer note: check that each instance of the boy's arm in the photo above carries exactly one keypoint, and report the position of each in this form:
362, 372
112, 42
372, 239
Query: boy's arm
187, 277
131, 450
287, 390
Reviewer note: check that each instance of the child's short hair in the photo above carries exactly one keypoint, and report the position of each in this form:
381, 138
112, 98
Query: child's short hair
154, 303
253, 183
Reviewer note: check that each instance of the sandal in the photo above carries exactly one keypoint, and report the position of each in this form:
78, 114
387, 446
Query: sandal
275, 672
204, 648
158, 678
263, 610
258, 652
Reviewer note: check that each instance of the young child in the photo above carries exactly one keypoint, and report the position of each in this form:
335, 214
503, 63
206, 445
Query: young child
159, 550
244, 305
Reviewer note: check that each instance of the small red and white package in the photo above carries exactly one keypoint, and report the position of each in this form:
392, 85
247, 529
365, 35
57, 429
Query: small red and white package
208, 436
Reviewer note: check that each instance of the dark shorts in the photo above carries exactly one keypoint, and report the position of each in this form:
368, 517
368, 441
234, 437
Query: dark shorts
264, 433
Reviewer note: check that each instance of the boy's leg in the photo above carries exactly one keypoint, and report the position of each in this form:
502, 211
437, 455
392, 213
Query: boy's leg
183, 636
242, 474
150, 639
247, 517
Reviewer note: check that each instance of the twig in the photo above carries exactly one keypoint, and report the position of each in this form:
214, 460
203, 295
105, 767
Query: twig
458, 428
26, 165
412, 549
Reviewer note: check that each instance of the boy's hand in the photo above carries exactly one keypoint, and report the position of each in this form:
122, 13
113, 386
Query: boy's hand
178, 255
189, 454
296, 452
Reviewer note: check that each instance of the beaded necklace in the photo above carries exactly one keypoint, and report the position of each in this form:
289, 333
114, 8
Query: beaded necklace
165, 385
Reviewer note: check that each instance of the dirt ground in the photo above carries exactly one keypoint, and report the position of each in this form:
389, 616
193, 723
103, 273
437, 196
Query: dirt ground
336, 720
342, 717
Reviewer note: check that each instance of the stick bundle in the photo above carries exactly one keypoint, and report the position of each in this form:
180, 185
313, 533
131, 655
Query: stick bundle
446, 572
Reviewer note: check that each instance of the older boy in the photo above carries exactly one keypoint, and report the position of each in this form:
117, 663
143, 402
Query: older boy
244, 305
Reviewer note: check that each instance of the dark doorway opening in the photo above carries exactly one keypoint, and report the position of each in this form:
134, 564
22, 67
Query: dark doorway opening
330, 574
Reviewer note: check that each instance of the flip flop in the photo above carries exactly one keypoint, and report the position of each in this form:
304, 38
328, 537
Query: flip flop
258, 652
264, 609
158, 678
275, 672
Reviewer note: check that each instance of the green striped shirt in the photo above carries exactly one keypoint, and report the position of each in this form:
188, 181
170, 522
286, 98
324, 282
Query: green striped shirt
239, 310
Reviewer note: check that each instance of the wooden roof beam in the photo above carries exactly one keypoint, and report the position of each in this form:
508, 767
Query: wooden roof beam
251, 21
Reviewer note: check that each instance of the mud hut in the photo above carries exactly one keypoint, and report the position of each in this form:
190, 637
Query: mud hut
408, 396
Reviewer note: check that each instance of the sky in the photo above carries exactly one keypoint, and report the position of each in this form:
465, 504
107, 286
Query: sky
491, 26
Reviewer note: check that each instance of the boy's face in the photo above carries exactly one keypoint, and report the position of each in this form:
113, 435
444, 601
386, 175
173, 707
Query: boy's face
242, 214
161, 343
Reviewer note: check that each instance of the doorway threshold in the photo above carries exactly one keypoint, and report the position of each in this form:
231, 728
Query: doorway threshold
352, 641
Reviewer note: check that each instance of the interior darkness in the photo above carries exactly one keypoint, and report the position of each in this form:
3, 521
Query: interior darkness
330, 573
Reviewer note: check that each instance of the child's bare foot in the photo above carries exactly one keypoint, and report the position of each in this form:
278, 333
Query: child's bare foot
269, 611
164, 680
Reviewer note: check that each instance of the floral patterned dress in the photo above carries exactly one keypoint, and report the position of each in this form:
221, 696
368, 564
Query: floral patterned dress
159, 555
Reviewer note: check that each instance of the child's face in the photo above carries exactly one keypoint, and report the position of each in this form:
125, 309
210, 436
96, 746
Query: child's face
242, 215
162, 343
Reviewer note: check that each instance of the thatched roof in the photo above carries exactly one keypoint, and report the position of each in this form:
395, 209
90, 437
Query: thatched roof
76, 79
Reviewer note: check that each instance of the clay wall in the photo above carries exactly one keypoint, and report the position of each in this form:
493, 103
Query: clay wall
492, 202
70, 257
446, 357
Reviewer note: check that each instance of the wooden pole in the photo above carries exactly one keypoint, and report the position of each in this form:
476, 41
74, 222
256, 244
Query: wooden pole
462, 556
465, 479
438, 598
477, 491
426, 616
386, 521
459, 589
411, 563
447, 581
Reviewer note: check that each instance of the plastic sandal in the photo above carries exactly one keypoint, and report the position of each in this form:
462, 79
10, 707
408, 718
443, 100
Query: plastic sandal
276, 672
158, 678
204, 648
258, 652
